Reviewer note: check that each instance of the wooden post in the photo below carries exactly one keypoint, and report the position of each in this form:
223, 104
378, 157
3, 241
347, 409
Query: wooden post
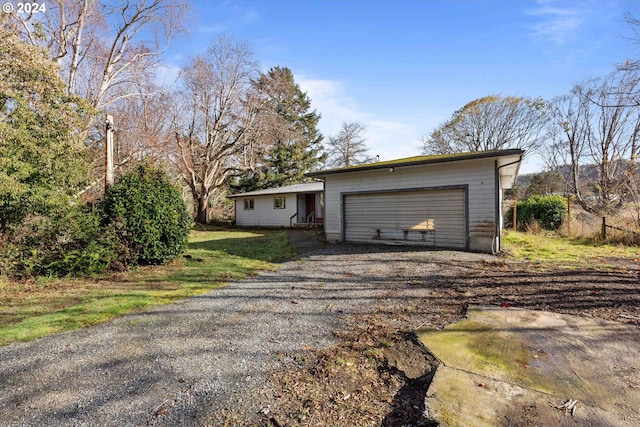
569, 215
515, 215
108, 177
604, 228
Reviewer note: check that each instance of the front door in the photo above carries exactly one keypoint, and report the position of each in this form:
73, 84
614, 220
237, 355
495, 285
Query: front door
310, 206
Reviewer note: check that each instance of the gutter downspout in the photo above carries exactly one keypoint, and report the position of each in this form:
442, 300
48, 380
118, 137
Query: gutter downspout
324, 205
496, 244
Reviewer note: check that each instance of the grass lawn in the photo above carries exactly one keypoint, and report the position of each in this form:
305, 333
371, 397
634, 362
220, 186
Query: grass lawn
547, 247
33, 309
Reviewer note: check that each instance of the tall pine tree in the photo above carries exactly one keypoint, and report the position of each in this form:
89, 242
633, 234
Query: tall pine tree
291, 128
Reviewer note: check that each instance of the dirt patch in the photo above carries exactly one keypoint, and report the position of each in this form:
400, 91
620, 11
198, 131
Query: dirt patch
410, 358
361, 380
354, 384
526, 414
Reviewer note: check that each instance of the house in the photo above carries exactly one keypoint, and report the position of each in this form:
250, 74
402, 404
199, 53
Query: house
445, 201
280, 207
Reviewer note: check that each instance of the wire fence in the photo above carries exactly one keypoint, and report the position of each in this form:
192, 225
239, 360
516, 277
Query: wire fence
606, 226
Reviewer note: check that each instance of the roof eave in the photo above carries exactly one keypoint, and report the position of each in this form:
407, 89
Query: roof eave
454, 158
509, 172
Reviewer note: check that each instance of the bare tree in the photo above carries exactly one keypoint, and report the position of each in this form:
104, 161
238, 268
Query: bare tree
100, 45
613, 141
347, 147
633, 23
144, 125
632, 175
596, 129
632, 184
569, 136
108, 52
491, 123
217, 120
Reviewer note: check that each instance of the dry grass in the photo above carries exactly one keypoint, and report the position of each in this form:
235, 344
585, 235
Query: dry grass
589, 226
548, 247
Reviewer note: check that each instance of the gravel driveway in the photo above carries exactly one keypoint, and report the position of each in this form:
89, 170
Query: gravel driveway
204, 360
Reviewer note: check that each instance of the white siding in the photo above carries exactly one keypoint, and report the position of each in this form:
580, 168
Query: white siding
263, 213
388, 216
478, 174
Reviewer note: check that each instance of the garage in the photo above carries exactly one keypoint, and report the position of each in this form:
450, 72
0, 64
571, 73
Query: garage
445, 201
431, 217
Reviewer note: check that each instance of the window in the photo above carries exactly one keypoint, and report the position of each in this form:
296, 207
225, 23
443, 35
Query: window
279, 202
248, 204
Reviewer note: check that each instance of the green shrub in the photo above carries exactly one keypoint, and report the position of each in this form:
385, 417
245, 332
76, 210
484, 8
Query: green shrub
148, 215
92, 249
549, 211
142, 220
71, 242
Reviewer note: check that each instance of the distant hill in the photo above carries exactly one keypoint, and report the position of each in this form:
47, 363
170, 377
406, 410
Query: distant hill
588, 175
524, 180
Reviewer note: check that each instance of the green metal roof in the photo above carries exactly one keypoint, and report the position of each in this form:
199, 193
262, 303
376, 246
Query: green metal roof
421, 160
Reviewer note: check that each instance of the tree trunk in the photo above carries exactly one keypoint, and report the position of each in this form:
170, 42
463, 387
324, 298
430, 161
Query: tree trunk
76, 46
201, 215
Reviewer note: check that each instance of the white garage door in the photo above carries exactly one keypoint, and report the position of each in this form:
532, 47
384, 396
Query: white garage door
429, 217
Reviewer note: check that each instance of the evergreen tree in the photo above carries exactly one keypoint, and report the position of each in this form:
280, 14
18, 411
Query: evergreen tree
42, 159
291, 130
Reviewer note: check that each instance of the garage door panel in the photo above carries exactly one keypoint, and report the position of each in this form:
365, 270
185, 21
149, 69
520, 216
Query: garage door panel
383, 217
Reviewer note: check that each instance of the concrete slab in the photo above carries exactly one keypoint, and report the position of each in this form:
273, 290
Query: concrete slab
507, 366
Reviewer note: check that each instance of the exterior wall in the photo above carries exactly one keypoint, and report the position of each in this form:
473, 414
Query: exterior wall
478, 174
263, 214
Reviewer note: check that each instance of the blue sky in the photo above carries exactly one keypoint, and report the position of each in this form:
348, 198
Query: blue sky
403, 67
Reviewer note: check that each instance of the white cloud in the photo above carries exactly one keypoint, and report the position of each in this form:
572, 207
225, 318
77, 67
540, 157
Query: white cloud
167, 75
558, 22
387, 138
240, 16
331, 100
213, 28
392, 140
